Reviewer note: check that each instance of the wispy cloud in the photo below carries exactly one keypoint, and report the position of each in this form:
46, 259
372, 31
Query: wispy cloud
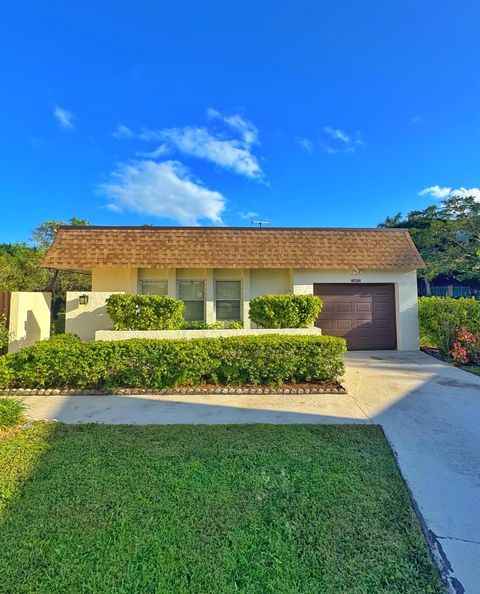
246, 128
446, 192
64, 117
163, 190
416, 119
305, 143
229, 148
333, 141
231, 154
122, 131
249, 215
340, 142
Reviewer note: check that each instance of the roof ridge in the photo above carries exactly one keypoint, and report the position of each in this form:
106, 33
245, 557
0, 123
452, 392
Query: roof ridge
225, 228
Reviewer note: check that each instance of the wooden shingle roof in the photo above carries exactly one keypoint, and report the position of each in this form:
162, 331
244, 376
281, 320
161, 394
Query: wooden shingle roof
84, 248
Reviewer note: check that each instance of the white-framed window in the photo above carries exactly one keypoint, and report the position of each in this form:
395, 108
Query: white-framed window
192, 293
154, 287
228, 300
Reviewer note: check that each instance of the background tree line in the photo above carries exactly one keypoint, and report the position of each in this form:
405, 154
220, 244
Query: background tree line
448, 238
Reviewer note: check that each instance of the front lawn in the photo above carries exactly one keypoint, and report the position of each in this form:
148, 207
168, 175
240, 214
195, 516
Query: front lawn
207, 509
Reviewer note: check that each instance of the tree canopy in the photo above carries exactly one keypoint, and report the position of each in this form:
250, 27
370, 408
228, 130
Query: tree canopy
20, 265
447, 236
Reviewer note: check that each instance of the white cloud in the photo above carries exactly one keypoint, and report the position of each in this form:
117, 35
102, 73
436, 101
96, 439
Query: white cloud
123, 131
164, 190
231, 154
305, 143
445, 192
160, 151
338, 134
247, 129
65, 118
249, 215
340, 141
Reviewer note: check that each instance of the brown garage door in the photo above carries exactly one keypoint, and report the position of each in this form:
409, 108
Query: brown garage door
363, 314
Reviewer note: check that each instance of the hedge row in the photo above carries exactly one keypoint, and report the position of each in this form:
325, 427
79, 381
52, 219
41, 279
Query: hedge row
285, 311
267, 360
442, 318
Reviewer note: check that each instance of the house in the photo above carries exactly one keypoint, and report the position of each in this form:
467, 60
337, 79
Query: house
366, 277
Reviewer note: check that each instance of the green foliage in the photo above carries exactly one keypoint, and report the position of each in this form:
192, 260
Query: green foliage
145, 312
285, 311
12, 412
270, 359
4, 333
442, 318
20, 268
448, 237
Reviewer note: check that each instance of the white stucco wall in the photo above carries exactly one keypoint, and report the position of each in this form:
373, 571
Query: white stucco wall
405, 296
85, 320
29, 319
161, 334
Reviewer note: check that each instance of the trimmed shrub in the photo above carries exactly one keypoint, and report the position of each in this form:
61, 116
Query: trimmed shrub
442, 318
285, 311
145, 312
270, 359
12, 412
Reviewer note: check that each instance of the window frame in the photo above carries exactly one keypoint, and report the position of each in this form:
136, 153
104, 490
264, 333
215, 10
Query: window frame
153, 280
240, 299
204, 300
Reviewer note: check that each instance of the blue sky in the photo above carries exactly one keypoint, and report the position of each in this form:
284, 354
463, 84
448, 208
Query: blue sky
327, 113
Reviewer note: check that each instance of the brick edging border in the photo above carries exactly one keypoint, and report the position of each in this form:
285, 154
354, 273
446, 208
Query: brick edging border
171, 391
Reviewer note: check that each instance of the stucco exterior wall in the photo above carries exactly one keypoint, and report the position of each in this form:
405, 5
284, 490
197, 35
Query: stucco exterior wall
29, 319
115, 280
161, 334
269, 281
85, 320
405, 296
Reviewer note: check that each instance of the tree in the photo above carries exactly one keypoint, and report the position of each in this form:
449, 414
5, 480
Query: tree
447, 236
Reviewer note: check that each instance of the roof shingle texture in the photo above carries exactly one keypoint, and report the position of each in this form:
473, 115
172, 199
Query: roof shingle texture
84, 248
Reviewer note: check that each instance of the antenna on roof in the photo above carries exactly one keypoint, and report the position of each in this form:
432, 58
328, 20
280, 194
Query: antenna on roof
260, 223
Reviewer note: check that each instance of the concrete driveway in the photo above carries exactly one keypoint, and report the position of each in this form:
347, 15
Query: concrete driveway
430, 413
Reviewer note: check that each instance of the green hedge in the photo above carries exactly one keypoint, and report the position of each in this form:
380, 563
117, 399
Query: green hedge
145, 312
146, 363
285, 311
441, 318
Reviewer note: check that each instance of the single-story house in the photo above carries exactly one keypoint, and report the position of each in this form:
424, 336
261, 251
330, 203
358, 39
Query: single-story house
366, 277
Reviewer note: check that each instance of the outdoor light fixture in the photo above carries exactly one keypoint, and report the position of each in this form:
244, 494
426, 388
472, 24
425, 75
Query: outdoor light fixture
83, 299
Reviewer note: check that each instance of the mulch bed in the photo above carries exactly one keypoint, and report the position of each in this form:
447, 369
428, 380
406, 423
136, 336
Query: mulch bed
326, 387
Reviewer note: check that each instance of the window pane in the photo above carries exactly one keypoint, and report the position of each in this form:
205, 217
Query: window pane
154, 287
228, 310
194, 311
228, 289
191, 289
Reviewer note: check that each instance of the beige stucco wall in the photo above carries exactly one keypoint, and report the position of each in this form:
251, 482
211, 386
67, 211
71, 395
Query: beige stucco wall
254, 282
85, 320
115, 280
29, 319
405, 296
269, 281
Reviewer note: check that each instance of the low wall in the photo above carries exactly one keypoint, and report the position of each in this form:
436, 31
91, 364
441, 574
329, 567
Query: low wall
29, 319
159, 334
84, 320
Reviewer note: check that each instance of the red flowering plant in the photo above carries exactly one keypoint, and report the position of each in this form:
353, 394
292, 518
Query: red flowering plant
466, 349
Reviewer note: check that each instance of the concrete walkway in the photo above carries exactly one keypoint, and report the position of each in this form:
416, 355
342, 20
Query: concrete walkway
430, 413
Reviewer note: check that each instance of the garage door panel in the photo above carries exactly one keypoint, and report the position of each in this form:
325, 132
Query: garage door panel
364, 316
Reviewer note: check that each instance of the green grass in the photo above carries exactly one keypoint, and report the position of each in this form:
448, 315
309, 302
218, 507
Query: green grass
12, 412
197, 509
